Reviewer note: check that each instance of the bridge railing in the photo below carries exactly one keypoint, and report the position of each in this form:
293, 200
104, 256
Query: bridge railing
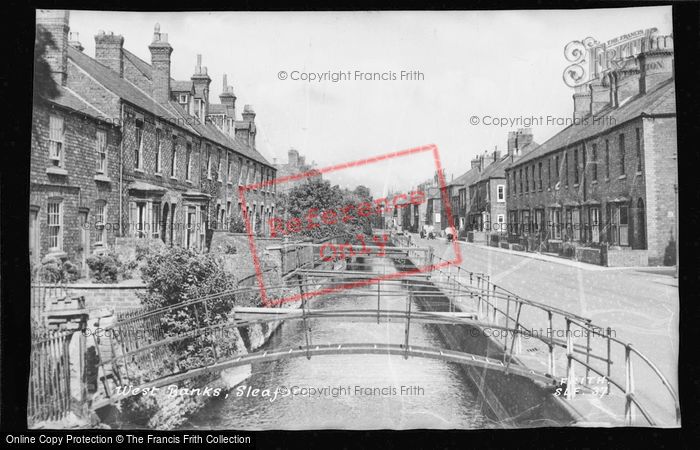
600, 355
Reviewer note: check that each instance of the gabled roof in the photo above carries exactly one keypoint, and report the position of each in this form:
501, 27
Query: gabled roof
659, 101
171, 111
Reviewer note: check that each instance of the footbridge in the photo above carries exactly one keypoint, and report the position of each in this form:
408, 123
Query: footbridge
145, 350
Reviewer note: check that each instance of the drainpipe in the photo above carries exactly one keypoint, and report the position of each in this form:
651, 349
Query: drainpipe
121, 174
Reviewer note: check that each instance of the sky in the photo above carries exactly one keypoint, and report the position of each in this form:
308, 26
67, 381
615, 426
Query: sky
488, 64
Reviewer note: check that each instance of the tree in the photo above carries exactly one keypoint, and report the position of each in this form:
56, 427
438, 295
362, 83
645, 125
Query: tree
44, 85
319, 196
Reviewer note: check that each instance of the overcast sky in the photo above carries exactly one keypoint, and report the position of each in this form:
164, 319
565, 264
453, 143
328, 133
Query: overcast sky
500, 64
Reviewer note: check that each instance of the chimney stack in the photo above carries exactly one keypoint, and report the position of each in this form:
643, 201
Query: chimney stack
160, 61
600, 96
248, 113
496, 154
656, 63
292, 157
108, 51
201, 82
582, 102
476, 163
228, 99
55, 22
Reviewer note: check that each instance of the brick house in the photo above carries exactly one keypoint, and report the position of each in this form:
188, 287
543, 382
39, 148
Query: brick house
602, 189
172, 163
458, 190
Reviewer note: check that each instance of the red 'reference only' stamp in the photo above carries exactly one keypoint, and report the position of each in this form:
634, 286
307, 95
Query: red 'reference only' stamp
365, 244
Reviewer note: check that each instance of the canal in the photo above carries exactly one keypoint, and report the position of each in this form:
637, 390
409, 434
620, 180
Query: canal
353, 391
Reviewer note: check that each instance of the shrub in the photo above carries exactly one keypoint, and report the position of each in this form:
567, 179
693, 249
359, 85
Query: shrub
104, 268
174, 275
54, 270
237, 225
70, 272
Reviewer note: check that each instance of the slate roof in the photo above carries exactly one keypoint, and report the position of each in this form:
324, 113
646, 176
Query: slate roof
498, 168
171, 111
660, 100
140, 64
69, 99
181, 85
466, 179
217, 108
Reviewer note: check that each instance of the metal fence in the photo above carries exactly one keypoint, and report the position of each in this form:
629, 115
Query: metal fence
49, 379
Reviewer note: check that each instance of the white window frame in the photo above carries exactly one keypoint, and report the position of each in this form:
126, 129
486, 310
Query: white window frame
188, 162
173, 159
218, 171
100, 221
501, 193
56, 140
182, 99
208, 162
101, 149
156, 214
138, 164
54, 221
159, 151
594, 223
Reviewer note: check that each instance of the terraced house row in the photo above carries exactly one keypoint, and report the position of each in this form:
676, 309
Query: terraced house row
602, 190
121, 150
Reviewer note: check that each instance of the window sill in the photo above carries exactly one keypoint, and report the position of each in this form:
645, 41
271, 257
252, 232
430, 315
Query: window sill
575, 185
159, 174
173, 178
594, 182
188, 181
639, 173
622, 177
56, 171
103, 178
139, 170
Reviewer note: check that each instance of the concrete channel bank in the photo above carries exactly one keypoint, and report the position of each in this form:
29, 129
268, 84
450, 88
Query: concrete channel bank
509, 400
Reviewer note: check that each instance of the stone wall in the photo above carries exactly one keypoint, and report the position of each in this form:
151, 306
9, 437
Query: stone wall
115, 297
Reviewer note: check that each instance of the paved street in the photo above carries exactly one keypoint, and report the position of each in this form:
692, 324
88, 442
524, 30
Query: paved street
640, 305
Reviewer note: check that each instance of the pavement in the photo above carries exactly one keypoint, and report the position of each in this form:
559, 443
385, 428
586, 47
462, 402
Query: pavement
641, 305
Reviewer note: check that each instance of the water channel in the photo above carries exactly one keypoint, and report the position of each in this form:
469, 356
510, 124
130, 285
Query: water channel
353, 391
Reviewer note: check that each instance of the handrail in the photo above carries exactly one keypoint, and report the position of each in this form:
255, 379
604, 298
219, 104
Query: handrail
487, 294
585, 324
